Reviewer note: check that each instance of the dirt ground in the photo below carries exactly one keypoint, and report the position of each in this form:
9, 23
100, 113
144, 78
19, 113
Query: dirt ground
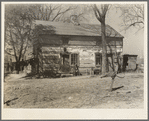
74, 92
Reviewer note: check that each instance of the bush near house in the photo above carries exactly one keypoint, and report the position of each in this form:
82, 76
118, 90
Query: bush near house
53, 67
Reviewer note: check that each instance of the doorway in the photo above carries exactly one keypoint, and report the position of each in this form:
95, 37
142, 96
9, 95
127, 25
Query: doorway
125, 62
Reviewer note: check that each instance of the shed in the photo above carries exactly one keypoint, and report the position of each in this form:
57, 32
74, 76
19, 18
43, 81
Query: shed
129, 62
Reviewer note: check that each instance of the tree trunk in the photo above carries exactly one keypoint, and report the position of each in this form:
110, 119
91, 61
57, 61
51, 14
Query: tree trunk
111, 85
18, 66
104, 48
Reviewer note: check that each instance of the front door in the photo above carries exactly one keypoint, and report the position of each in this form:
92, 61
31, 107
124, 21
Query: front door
65, 59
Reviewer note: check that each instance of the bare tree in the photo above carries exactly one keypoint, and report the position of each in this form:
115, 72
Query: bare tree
78, 13
132, 15
50, 12
100, 13
115, 67
18, 26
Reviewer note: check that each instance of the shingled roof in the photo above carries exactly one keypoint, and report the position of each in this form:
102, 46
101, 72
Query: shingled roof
81, 30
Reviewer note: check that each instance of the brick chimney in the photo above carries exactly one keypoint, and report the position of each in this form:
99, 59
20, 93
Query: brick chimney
74, 20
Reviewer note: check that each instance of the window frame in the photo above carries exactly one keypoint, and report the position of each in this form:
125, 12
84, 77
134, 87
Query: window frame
76, 59
100, 57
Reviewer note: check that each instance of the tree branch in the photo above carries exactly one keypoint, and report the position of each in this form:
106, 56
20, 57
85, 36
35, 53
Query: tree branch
134, 23
95, 12
9, 53
13, 46
96, 9
58, 13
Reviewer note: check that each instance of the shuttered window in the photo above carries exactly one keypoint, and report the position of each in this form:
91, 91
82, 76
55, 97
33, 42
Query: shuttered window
98, 58
75, 59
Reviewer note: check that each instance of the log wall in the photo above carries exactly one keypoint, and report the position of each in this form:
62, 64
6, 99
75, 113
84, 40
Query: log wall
86, 47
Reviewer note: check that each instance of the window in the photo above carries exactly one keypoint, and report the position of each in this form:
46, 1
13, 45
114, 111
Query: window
98, 58
74, 59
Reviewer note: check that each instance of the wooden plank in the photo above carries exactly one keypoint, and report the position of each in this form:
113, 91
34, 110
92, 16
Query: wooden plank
111, 42
86, 61
87, 65
51, 49
69, 59
50, 54
82, 43
78, 59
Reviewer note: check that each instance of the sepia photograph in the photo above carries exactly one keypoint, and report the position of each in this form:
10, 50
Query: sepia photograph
72, 55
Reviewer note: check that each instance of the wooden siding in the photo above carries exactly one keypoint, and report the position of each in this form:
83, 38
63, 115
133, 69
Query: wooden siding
82, 43
58, 40
47, 39
86, 54
55, 40
85, 47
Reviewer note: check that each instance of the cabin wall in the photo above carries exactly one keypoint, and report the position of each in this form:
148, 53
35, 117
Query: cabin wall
86, 55
86, 47
48, 56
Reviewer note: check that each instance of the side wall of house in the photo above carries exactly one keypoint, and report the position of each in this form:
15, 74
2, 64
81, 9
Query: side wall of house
85, 47
86, 55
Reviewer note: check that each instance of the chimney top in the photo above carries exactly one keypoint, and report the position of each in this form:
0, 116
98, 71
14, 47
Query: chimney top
74, 19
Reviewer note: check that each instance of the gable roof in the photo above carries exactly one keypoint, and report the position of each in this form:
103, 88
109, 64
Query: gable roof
82, 29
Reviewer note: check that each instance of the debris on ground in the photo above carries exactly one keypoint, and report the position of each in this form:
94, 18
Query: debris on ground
74, 92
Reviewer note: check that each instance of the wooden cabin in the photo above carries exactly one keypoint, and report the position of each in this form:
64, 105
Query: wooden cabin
74, 44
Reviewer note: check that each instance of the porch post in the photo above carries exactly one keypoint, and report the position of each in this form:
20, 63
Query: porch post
70, 59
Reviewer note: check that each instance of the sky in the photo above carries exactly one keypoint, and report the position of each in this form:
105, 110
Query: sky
133, 42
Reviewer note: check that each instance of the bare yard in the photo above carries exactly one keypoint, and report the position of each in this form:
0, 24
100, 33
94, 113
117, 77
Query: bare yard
74, 92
